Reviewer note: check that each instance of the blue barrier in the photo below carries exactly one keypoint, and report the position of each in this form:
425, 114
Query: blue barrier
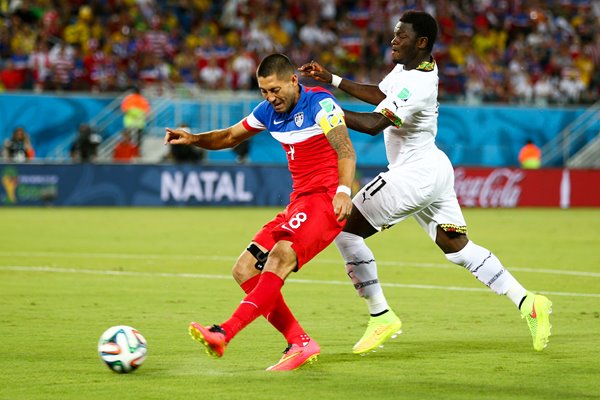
50, 120
147, 185
142, 185
476, 136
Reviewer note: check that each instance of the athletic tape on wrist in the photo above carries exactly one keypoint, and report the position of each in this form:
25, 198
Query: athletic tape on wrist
343, 189
336, 80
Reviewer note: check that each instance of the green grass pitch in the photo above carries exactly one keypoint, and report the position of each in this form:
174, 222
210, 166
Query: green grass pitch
67, 274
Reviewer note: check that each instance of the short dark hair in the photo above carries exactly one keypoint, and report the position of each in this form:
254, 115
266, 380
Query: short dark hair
423, 24
275, 64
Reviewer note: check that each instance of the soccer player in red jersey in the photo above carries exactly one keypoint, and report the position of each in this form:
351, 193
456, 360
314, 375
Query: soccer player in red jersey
311, 128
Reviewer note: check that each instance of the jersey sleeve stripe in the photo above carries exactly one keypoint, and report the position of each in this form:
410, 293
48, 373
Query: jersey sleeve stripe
251, 128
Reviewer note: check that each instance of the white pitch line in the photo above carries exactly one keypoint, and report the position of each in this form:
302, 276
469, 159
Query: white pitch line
125, 256
62, 270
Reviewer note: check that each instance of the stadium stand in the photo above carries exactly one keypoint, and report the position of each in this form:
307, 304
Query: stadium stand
537, 52
529, 54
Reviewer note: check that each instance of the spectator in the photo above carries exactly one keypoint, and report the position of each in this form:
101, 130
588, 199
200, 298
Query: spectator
18, 148
542, 90
530, 156
212, 76
62, 65
156, 40
85, 146
571, 87
125, 150
10, 78
222, 52
153, 71
184, 70
39, 64
315, 36
80, 30
135, 109
19, 60
243, 67
276, 31
258, 39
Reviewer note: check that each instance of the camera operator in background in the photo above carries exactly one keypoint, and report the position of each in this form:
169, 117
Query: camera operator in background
18, 148
183, 154
85, 146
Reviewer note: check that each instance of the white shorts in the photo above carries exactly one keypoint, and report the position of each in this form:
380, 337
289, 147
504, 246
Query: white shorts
422, 188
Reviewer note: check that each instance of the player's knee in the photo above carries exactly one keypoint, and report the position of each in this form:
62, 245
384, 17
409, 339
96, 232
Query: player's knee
450, 242
469, 256
242, 271
346, 243
244, 267
260, 256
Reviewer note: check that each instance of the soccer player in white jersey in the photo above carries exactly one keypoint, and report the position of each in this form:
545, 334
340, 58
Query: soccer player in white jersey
310, 126
419, 182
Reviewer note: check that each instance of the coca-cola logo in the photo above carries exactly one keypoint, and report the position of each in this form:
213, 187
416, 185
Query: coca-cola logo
500, 188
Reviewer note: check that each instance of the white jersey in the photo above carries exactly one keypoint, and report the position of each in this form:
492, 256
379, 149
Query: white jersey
420, 178
411, 104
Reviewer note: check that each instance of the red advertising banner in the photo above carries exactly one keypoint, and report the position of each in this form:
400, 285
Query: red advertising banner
585, 188
513, 187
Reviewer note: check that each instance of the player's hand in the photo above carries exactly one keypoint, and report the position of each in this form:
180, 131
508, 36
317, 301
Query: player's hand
316, 71
178, 136
342, 206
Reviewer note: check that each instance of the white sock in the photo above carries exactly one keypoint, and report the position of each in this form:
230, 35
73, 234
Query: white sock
362, 270
489, 270
516, 293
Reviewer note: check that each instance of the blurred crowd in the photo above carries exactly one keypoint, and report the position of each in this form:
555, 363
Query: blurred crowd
512, 51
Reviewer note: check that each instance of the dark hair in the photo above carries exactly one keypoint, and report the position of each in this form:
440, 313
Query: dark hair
275, 64
16, 130
423, 24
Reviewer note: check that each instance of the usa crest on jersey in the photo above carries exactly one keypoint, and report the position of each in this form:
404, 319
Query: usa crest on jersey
299, 119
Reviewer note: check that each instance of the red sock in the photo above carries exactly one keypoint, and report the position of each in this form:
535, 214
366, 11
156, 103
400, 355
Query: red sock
280, 316
250, 284
261, 299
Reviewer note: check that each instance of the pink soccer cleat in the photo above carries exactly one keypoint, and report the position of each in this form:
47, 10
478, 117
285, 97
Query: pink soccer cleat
212, 338
296, 356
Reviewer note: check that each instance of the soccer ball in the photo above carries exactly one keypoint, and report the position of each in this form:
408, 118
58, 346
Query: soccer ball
122, 348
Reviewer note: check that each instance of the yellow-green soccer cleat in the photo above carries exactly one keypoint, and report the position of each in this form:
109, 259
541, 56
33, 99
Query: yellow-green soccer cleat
536, 310
379, 330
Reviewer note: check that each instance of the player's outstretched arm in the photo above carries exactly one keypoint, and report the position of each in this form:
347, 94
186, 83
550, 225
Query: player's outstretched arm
213, 140
367, 93
371, 123
340, 141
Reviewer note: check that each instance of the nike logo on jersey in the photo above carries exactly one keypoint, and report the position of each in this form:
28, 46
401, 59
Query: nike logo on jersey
278, 122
